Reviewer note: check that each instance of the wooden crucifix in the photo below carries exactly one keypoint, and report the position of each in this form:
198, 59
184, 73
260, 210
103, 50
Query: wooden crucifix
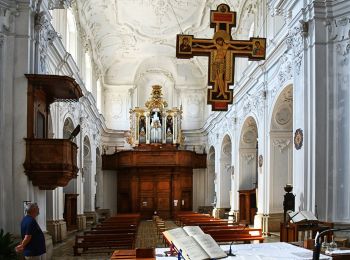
222, 51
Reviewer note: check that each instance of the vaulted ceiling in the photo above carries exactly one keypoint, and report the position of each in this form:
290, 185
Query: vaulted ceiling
124, 34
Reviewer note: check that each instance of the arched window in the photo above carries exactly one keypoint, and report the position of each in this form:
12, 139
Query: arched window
99, 95
71, 40
88, 72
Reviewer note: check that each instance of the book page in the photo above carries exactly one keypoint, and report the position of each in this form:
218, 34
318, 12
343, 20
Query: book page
210, 246
308, 215
191, 250
297, 217
173, 234
193, 230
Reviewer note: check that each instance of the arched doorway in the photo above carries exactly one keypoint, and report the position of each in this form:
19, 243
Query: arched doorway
281, 155
248, 172
99, 180
224, 182
211, 194
88, 196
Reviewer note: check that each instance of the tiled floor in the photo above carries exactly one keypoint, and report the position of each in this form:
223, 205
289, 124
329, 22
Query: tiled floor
146, 238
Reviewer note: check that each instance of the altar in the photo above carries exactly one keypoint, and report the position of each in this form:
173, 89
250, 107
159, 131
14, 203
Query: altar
261, 251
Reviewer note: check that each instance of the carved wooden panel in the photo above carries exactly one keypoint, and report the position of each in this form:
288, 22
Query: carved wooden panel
153, 158
154, 180
147, 190
50, 162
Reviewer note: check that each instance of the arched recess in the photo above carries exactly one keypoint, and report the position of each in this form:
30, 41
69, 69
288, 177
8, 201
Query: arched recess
281, 149
99, 180
87, 177
248, 146
211, 189
71, 44
154, 71
68, 128
225, 173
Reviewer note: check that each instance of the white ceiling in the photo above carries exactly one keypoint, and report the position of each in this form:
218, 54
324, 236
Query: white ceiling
125, 35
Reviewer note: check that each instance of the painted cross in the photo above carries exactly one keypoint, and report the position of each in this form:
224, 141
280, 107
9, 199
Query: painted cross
222, 51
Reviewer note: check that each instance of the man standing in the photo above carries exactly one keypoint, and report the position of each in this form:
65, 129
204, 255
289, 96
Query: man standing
33, 240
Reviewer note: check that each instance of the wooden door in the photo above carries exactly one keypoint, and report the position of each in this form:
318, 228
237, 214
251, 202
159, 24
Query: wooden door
70, 211
163, 196
146, 197
186, 200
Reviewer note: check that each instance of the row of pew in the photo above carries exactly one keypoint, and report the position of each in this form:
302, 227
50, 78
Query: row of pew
117, 232
222, 230
131, 254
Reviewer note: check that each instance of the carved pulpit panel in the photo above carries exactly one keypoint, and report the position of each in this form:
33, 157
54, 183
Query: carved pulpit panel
221, 51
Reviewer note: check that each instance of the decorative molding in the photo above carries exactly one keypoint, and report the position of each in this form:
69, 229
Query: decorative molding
5, 15
338, 29
286, 68
254, 103
43, 36
2, 40
283, 114
295, 41
59, 4
339, 33
248, 157
281, 144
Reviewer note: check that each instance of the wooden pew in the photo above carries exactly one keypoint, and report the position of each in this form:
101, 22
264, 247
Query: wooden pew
93, 242
117, 232
238, 235
139, 253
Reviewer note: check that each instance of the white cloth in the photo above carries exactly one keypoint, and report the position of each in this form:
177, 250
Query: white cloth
262, 251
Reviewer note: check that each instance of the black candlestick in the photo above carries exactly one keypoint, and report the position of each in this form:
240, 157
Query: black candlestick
317, 250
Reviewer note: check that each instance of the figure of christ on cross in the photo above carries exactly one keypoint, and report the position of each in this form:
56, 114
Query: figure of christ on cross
221, 51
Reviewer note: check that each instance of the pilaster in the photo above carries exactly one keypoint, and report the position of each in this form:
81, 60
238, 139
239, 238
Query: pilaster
81, 221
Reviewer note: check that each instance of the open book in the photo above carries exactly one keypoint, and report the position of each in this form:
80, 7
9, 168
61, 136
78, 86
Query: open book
301, 216
194, 243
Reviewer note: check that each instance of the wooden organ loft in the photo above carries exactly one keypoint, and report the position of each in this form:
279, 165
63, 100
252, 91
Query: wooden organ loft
155, 176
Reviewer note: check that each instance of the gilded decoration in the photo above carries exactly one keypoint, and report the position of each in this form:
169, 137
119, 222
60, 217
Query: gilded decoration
155, 124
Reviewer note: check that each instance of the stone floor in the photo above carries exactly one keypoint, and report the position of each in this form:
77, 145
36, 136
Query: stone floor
146, 238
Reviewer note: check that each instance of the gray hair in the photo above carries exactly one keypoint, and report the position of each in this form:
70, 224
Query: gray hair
30, 206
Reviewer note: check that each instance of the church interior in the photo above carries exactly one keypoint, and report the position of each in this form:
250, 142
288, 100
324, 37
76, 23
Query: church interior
167, 113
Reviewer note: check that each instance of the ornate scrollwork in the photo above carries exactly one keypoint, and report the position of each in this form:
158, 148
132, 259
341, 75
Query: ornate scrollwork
156, 100
282, 144
295, 41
